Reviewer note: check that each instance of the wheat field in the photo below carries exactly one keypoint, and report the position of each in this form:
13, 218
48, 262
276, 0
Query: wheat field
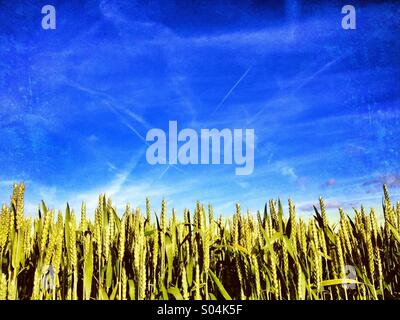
267, 255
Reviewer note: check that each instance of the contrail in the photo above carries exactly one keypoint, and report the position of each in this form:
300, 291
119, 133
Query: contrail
305, 82
110, 104
310, 78
233, 88
145, 141
135, 132
162, 174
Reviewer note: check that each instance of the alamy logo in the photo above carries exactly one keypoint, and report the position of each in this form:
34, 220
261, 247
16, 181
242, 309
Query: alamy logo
237, 148
351, 275
48, 276
349, 20
49, 20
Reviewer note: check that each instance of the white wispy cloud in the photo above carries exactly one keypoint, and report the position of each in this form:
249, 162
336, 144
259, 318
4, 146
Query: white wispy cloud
288, 171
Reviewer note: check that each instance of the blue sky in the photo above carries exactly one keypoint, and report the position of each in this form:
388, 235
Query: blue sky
77, 101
